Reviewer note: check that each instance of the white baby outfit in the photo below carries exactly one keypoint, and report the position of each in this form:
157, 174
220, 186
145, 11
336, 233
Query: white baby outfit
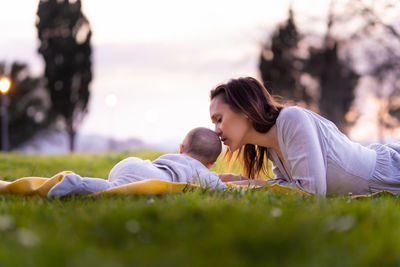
169, 167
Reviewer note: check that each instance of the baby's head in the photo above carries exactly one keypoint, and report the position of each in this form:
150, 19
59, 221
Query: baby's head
202, 144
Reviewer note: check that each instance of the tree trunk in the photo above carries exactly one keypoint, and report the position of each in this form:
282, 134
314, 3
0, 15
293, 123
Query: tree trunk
71, 135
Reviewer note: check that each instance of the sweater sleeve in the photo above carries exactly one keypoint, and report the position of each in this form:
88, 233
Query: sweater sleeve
304, 155
277, 172
210, 179
280, 178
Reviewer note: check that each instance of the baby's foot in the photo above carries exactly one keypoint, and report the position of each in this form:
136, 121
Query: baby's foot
70, 185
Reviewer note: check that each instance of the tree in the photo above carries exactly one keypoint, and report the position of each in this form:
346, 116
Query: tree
65, 36
335, 75
281, 66
336, 81
295, 69
28, 104
377, 39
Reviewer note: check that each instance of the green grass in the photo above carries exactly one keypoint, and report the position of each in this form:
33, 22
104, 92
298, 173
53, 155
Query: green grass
197, 228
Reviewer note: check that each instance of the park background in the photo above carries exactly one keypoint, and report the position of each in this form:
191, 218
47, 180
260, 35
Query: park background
153, 64
143, 77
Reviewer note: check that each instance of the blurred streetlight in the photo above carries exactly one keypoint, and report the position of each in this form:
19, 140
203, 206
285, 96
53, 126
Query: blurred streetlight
5, 85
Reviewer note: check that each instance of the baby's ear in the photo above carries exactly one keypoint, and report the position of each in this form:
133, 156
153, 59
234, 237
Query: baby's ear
211, 165
181, 148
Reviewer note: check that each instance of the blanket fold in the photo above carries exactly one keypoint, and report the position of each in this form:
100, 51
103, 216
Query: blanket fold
29, 186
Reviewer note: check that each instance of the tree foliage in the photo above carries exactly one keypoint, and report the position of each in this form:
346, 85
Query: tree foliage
28, 104
377, 39
293, 67
361, 41
281, 66
65, 36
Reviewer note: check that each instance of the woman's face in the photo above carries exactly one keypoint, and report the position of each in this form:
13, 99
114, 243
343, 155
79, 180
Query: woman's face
232, 127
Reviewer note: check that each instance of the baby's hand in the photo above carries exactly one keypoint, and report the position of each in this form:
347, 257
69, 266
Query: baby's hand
230, 177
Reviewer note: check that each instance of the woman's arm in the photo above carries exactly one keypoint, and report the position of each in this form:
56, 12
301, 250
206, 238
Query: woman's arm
303, 151
230, 177
250, 182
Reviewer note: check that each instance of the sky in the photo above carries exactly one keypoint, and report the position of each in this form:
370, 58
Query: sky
154, 62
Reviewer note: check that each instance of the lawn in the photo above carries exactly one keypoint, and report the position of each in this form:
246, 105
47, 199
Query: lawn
196, 228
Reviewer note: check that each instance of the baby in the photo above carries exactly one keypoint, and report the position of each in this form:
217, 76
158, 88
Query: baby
198, 153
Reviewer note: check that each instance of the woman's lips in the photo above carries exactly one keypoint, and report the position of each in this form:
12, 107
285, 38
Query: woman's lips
224, 140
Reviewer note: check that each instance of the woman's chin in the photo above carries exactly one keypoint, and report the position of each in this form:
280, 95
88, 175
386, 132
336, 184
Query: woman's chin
232, 148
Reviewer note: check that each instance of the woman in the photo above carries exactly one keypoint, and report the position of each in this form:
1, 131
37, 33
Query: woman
307, 151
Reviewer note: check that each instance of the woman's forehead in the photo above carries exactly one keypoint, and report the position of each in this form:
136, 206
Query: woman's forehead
216, 104
218, 107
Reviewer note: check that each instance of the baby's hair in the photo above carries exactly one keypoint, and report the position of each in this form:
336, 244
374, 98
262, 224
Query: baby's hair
203, 144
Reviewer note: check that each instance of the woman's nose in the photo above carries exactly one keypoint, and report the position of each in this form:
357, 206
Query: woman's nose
217, 130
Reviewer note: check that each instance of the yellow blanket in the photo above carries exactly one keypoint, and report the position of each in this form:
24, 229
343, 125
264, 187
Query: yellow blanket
29, 186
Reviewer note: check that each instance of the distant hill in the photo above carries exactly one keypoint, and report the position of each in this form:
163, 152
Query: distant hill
53, 142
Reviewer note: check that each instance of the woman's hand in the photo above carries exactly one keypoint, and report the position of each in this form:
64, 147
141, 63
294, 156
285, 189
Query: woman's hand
230, 177
250, 182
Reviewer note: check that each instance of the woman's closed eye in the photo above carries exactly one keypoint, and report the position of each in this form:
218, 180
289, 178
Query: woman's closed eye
216, 119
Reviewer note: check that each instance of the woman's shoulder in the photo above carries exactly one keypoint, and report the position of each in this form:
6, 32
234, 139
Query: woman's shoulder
296, 119
292, 113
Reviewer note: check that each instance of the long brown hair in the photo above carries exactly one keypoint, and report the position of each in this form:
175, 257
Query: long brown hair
248, 96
